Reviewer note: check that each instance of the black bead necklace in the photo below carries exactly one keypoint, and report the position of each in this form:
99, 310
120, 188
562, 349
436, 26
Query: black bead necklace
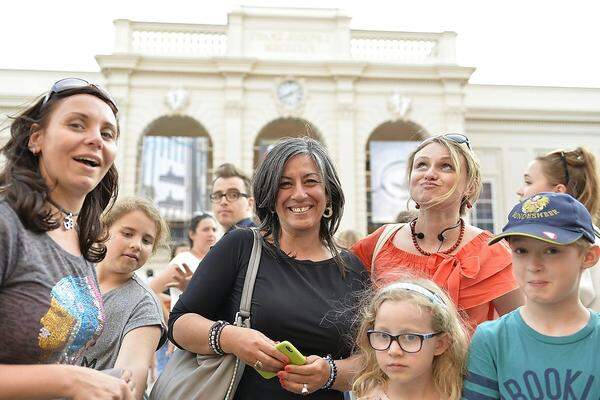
420, 235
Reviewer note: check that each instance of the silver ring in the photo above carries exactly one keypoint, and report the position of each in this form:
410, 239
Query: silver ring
258, 365
305, 391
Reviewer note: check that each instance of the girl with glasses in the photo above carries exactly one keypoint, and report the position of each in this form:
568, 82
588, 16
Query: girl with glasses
444, 180
57, 179
412, 344
573, 172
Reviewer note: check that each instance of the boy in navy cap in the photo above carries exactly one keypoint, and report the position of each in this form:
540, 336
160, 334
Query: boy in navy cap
549, 348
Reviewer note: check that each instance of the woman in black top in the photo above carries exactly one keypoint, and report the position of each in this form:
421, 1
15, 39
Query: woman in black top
303, 280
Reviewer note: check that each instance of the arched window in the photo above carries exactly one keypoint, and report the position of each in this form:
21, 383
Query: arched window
280, 128
174, 169
387, 149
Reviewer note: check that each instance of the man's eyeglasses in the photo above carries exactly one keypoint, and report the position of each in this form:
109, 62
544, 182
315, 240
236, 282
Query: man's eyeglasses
230, 195
408, 342
76, 83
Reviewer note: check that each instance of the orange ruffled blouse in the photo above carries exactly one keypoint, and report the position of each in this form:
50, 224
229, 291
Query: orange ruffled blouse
473, 277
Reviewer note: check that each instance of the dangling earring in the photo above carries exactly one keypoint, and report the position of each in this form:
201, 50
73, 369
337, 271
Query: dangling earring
328, 212
467, 203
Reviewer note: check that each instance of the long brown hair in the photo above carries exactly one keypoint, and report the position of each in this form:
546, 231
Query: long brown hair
579, 166
25, 190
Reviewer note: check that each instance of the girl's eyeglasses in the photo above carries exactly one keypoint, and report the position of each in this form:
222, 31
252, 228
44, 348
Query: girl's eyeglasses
408, 342
76, 83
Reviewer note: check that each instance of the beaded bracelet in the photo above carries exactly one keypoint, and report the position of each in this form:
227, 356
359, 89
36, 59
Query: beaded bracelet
332, 372
214, 337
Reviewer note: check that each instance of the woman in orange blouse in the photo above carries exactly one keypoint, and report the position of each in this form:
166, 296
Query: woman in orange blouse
444, 179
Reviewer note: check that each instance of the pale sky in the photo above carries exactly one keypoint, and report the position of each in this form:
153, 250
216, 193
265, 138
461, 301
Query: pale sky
519, 42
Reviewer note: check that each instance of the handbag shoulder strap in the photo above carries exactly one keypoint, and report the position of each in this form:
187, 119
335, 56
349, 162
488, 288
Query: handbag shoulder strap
387, 233
246, 301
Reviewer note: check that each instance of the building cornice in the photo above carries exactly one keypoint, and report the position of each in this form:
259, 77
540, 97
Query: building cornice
532, 115
253, 66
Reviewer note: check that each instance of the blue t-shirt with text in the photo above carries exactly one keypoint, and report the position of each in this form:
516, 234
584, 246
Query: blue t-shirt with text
510, 360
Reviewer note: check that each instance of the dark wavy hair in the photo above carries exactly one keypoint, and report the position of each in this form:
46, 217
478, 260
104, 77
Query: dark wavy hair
25, 190
265, 187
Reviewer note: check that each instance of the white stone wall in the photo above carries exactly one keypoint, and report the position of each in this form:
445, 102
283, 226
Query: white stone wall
231, 88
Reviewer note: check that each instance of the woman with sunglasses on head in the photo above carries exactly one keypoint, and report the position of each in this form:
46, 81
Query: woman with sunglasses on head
57, 180
573, 172
445, 181
303, 277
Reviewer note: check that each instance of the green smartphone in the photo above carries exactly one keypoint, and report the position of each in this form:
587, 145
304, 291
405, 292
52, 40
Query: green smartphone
291, 352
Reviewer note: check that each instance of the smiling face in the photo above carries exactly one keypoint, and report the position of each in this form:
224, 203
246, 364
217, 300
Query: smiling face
549, 273
205, 235
534, 181
301, 198
399, 317
131, 241
433, 175
76, 147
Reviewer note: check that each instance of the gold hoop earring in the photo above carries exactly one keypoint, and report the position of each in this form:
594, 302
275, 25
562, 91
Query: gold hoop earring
328, 212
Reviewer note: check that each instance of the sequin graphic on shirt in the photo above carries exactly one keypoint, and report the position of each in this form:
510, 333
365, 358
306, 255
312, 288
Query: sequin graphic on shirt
73, 322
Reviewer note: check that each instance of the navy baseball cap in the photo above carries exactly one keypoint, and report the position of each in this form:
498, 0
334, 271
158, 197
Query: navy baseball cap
555, 218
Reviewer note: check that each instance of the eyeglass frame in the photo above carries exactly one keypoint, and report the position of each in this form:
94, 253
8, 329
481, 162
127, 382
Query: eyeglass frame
217, 196
422, 336
57, 88
565, 166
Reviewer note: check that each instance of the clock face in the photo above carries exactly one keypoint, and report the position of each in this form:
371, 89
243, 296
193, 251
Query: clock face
290, 93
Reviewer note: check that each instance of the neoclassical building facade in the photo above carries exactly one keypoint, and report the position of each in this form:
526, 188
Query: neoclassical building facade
193, 96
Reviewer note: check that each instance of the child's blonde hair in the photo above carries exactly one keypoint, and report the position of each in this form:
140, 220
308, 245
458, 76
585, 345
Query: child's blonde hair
129, 204
448, 368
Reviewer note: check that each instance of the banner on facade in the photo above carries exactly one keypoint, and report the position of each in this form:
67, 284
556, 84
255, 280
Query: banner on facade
174, 174
389, 190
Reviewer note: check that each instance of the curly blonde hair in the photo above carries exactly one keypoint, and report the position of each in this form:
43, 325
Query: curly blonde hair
449, 367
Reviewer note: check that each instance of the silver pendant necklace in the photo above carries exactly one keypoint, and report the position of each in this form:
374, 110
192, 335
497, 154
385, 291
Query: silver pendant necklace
68, 221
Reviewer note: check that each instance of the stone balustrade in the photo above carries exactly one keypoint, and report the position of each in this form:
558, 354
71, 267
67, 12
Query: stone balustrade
403, 47
170, 39
201, 40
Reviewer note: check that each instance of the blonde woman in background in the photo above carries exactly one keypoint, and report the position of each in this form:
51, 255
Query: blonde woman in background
573, 172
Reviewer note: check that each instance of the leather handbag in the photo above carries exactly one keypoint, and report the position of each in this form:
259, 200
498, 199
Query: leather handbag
190, 376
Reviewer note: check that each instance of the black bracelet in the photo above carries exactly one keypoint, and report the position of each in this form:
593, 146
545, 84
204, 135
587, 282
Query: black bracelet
214, 337
332, 372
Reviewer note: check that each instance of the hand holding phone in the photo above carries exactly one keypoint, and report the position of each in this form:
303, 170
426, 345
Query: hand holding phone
291, 352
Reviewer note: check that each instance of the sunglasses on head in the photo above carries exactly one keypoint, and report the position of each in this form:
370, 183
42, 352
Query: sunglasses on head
457, 138
76, 83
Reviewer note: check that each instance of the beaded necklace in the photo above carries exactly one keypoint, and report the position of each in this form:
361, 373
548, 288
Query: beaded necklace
448, 251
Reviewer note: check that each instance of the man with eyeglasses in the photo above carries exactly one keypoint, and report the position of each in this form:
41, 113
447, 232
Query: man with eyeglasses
231, 197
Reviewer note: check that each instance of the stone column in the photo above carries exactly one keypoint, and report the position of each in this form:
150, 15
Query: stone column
232, 145
346, 146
